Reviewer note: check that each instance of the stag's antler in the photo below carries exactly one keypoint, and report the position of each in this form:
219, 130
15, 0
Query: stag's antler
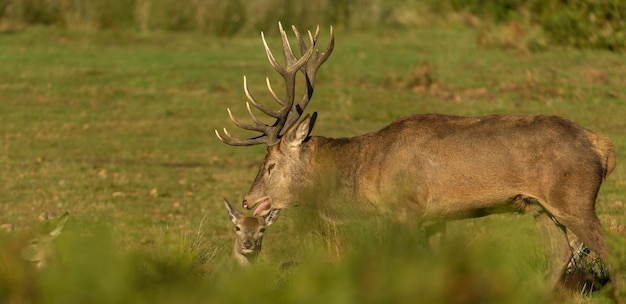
289, 112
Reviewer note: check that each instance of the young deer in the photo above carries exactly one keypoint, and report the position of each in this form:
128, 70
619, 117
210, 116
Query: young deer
250, 232
40, 249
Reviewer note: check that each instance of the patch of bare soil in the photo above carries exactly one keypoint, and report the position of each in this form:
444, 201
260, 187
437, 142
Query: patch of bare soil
424, 81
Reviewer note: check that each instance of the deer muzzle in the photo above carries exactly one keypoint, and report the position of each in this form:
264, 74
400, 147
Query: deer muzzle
262, 206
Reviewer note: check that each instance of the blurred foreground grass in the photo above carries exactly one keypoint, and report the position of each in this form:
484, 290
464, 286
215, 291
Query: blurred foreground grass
117, 129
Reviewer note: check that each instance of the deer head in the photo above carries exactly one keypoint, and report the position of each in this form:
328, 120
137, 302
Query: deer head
41, 249
250, 231
281, 136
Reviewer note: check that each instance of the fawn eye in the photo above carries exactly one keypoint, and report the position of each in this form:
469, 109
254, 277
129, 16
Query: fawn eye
262, 230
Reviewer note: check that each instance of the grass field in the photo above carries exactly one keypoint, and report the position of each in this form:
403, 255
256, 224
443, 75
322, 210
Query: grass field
117, 129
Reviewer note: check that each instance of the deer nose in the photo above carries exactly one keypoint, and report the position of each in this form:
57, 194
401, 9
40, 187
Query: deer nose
244, 204
247, 244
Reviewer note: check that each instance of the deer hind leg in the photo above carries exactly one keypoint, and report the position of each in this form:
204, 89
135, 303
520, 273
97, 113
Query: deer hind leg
556, 244
588, 229
586, 226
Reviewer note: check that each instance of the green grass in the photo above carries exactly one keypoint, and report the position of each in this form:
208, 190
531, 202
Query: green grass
117, 129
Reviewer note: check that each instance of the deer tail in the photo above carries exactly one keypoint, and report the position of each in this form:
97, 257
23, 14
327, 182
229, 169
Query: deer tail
605, 149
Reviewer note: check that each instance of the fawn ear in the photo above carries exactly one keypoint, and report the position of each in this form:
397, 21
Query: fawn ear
60, 225
300, 132
272, 216
232, 212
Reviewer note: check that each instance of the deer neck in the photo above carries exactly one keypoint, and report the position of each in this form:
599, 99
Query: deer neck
336, 168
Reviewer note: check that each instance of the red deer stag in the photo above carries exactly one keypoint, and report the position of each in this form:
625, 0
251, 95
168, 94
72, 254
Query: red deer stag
431, 168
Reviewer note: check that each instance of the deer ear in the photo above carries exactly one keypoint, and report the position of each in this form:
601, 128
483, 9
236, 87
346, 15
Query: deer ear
301, 132
232, 212
60, 225
271, 217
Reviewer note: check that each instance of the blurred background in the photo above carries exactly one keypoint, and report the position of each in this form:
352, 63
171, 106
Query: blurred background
579, 23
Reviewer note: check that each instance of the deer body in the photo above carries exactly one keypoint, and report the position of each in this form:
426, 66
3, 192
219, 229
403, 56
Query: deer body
431, 168
442, 167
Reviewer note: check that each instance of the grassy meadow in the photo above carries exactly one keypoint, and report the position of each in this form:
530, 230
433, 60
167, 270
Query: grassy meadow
116, 127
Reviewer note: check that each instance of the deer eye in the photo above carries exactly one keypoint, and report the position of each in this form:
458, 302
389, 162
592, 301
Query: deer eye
237, 228
270, 168
262, 230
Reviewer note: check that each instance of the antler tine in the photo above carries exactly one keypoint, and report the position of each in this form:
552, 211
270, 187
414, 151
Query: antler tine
269, 87
256, 127
259, 106
271, 58
229, 140
318, 59
290, 58
252, 116
301, 43
330, 48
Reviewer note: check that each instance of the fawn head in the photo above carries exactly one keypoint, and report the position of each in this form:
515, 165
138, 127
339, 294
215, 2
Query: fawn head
41, 249
249, 230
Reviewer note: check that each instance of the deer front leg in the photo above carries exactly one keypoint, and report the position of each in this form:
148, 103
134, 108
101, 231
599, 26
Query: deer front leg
435, 234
